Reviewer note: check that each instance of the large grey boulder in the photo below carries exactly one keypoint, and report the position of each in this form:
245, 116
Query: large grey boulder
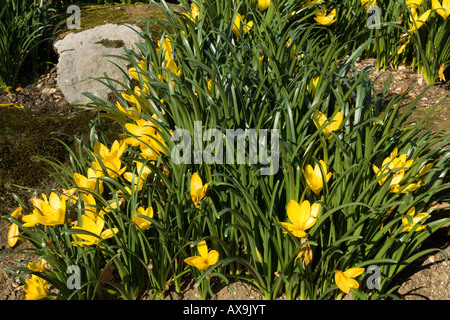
82, 60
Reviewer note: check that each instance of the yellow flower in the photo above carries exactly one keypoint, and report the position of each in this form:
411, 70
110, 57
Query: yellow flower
13, 232
402, 47
141, 69
48, 212
205, 260
194, 14
142, 223
345, 281
89, 182
90, 206
314, 176
444, 10
367, 3
315, 81
237, 27
134, 180
441, 72
415, 21
133, 112
36, 288
302, 217
390, 163
108, 160
413, 4
325, 19
116, 151
198, 190
334, 125
293, 47
407, 226
147, 137
36, 267
263, 4
166, 48
95, 225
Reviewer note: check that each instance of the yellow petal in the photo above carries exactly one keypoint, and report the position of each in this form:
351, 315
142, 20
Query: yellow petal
294, 212
33, 266
341, 281
13, 234
197, 262
109, 233
213, 257
202, 248
353, 272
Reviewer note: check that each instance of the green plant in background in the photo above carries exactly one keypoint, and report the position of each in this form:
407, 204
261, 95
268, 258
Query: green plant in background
338, 187
433, 47
26, 28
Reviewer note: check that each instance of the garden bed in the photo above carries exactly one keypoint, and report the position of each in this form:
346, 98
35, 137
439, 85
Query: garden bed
27, 134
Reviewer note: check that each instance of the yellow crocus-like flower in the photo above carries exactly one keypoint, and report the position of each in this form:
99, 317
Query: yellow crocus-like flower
325, 19
293, 47
414, 3
166, 48
368, 3
89, 182
147, 137
48, 212
198, 190
95, 225
133, 72
444, 10
142, 223
111, 167
335, 122
205, 260
134, 180
390, 163
36, 288
36, 267
194, 14
412, 186
302, 216
345, 281
169, 63
108, 160
13, 232
315, 81
403, 46
314, 176
415, 21
116, 151
239, 24
263, 4
441, 73
407, 226
135, 110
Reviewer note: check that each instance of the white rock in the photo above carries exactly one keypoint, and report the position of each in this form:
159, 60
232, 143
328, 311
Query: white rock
81, 60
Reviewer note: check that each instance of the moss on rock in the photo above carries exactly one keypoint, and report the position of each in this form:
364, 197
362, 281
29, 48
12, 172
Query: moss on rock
95, 15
